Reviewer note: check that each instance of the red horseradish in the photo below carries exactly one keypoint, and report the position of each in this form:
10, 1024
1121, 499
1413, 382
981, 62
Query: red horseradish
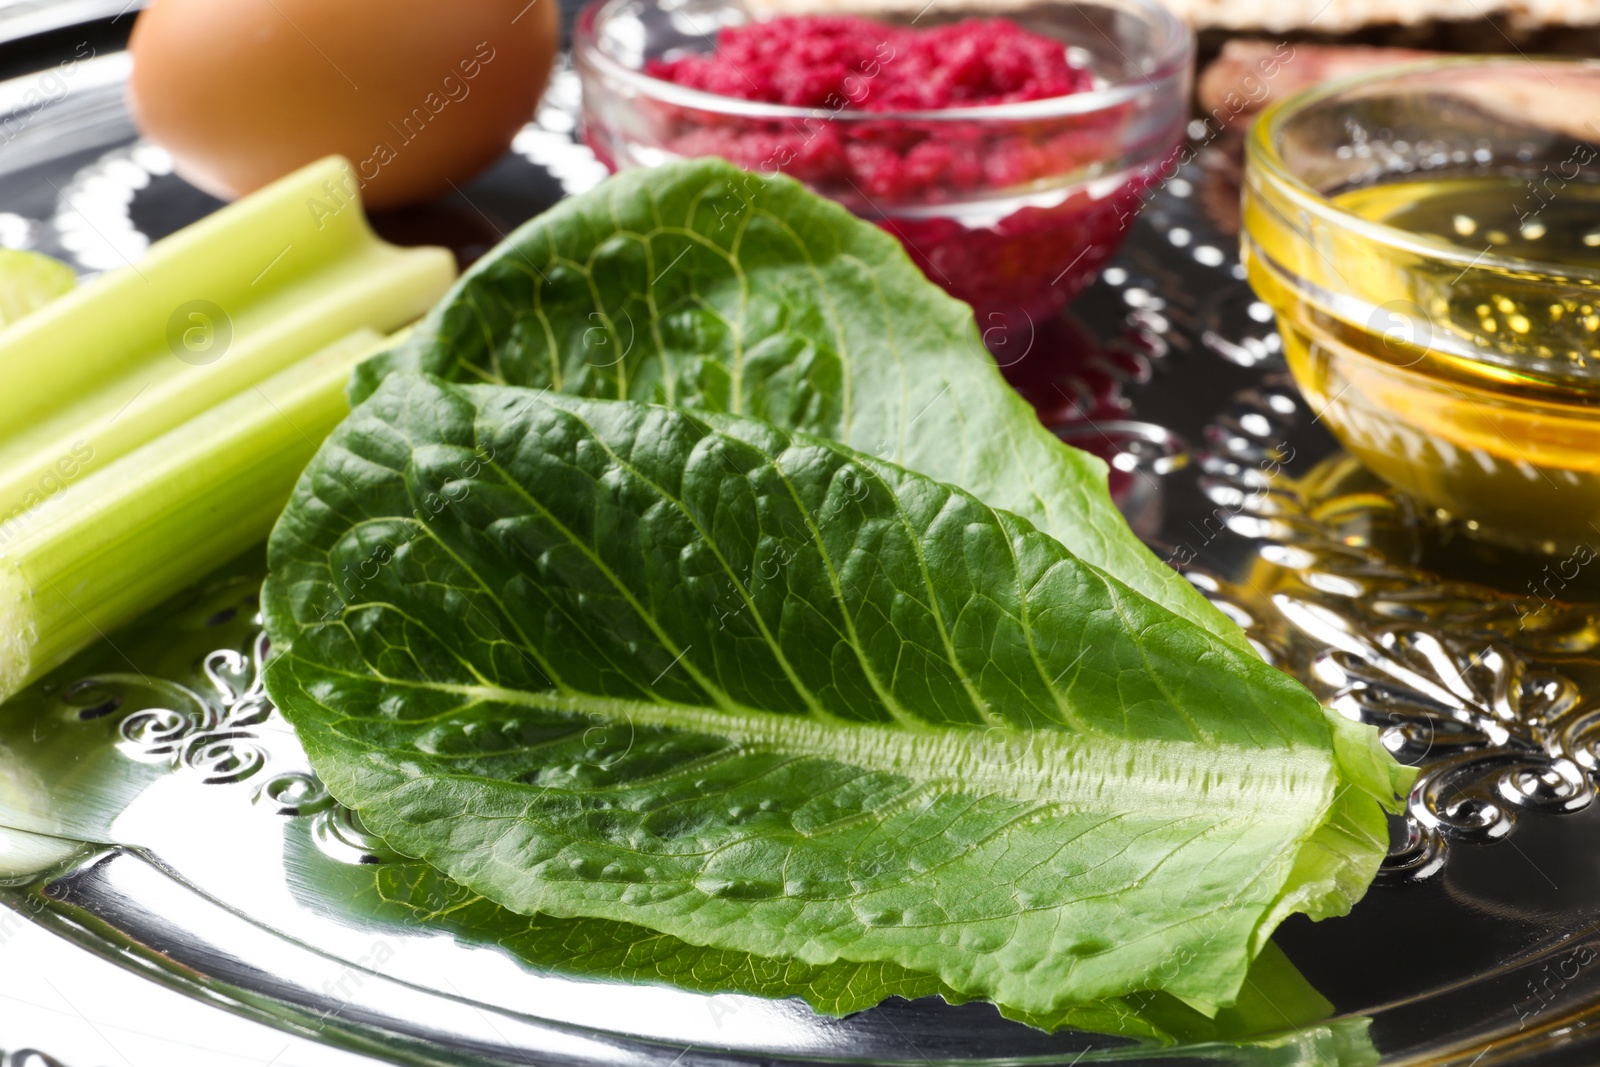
812, 61
984, 204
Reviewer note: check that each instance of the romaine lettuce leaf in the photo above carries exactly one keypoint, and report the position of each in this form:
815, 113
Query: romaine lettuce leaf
703, 286
1275, 998
762, 693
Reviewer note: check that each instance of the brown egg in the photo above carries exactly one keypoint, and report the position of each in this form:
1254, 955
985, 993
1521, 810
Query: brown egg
417, 94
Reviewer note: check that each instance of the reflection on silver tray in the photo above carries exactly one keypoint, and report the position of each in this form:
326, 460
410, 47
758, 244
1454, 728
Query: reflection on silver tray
164, 816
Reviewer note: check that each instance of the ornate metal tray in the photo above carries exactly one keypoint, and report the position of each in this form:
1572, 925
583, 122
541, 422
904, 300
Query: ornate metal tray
160, 814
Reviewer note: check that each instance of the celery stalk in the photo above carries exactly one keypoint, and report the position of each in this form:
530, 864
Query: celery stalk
137, 450
154, 520
30, 280
103, 369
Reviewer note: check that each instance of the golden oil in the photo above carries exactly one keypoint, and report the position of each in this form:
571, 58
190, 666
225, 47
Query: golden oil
1475, 388
1510, 311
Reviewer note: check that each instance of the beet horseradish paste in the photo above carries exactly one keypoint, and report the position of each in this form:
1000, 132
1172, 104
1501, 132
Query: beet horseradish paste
1001, 206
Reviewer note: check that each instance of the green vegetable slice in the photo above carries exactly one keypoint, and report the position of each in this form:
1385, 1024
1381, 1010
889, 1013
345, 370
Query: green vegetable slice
153, 421
30, 280
151, 521
703, 286
760, 692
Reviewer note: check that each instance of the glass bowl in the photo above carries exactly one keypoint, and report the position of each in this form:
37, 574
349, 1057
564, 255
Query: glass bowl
1458, 355
1048, 187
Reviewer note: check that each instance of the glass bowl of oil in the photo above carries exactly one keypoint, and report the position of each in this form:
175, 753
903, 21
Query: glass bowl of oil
1429, 237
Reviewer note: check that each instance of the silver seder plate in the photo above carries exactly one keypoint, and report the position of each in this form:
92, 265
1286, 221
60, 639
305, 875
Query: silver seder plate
162, 815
